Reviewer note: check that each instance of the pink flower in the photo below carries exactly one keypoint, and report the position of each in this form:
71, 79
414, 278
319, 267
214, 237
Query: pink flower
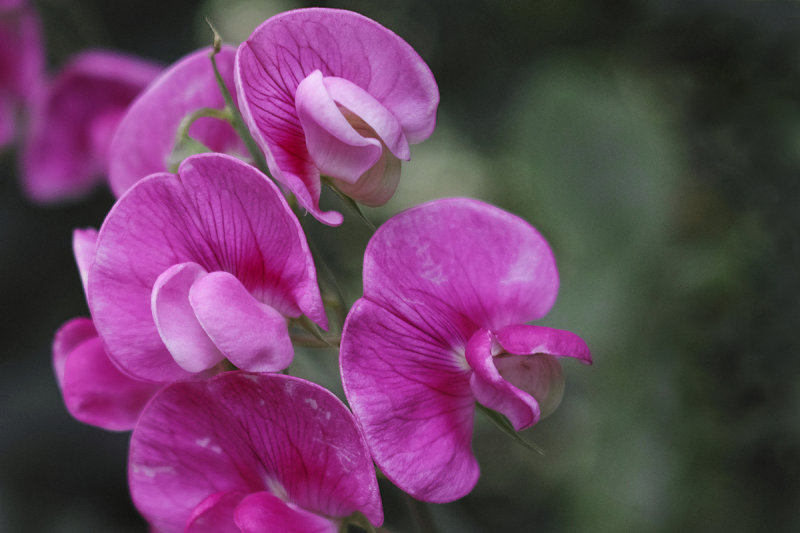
201, 266
332, 92
146, 135
21, 62
448, 287
250, 453
72, 122
94, 390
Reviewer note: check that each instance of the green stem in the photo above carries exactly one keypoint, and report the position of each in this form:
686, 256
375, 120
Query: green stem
236, 117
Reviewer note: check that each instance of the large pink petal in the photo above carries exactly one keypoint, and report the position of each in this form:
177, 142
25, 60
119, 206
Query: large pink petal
252, 335
452, 266
95, 391
492, 390
249, 433
215, 514
62, 157
285, 49
263, 511
218, 212
175, 319
146, 135
411, 395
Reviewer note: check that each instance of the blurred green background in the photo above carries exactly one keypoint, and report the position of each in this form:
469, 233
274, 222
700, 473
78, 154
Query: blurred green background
656, 145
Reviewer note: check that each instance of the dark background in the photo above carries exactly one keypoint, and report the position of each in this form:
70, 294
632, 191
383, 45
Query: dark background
656, 144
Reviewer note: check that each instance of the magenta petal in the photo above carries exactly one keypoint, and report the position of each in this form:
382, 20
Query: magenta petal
22, 60
413, 400
252, 335
176, 322
263, 511
218, 212
452, 266
84, 243
64, 154
526, 339
68, 337
285, 49
95, 391
337, 149
215, 514
146, 135
492, 390
249, 433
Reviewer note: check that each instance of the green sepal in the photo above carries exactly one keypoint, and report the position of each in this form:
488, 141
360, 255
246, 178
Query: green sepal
358, 520
502, 422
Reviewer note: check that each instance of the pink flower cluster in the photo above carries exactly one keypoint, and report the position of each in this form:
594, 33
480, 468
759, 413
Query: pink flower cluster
201, 271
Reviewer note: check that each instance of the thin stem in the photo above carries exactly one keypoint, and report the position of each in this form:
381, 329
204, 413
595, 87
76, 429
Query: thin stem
236, 117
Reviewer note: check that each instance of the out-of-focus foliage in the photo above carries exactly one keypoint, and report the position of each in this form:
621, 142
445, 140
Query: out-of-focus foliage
656, 144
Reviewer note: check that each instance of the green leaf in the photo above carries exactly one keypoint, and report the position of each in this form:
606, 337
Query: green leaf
502, 422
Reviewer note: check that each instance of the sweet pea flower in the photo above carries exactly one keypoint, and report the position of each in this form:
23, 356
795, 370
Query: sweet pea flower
94, 390
146, 136
21, 62
198, 267
448, 289
331, 92
73, 120
250, 453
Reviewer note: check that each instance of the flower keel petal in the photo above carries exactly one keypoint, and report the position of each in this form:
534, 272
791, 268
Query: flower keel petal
252, 335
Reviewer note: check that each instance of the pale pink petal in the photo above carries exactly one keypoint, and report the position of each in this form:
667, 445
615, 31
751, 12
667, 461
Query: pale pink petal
249, 433
455, 265
528, 339
95, 391
146, 135
285, 49
64, 154
217, 212
411, 395
215, 514
84, 242
492, 390
263, 511
540, 375
377, 185
175, 319
336, 149
363, 105
252, 335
